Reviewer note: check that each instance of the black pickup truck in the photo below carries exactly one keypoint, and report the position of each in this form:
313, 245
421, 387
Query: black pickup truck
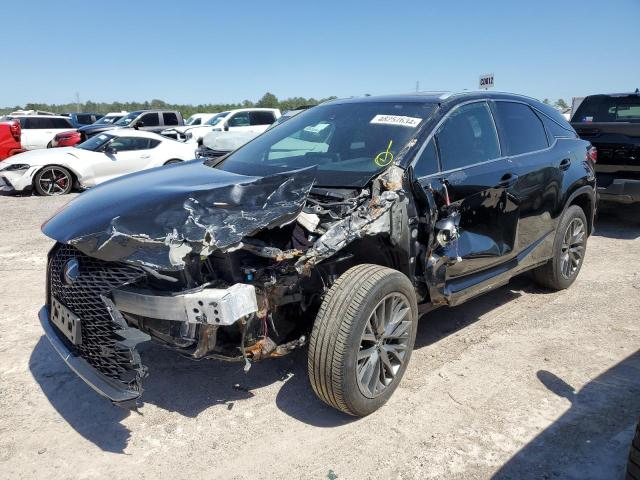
612, 124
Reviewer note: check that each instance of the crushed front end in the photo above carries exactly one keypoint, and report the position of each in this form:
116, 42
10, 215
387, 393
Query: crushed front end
234, 271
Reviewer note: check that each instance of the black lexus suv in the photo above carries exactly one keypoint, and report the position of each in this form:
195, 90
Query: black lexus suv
336, 229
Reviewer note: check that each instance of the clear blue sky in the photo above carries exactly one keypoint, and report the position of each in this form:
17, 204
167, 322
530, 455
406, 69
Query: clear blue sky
225, 51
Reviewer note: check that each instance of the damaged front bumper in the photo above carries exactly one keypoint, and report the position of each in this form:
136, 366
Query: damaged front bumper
215, 306
17, 180
105, 386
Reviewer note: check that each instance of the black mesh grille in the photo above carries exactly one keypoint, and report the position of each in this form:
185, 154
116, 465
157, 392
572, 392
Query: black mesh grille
96, 278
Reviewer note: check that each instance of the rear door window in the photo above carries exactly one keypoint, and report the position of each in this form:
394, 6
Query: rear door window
170, 118
468, 136
522, 129
240, 119
60, 123
261, 118
38, 123
150, 120
85, 118
127, 144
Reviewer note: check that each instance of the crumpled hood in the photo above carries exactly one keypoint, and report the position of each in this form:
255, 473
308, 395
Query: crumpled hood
160, 217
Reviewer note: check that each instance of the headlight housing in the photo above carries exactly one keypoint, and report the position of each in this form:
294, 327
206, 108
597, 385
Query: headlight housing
16, 167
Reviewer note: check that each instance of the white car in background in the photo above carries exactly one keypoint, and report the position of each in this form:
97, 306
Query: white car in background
199, 119
255, 120
38, 131
101, 158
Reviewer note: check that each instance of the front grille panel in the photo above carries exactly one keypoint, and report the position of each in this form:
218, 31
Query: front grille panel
97, 277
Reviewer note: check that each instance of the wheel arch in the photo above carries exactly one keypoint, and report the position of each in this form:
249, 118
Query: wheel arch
585, 198
173, 160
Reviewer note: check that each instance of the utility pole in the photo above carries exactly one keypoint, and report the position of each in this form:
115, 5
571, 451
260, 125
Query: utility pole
77, 102
417, 86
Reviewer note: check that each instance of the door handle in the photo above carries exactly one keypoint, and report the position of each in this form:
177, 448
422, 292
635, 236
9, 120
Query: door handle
565, 163
145, 156
507, 180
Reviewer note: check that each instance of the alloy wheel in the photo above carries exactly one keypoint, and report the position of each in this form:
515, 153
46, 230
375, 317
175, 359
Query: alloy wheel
54, 182
572, 250
383, 345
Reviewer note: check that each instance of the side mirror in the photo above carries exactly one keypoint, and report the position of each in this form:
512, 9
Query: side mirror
109, 150
226, 127
138, 124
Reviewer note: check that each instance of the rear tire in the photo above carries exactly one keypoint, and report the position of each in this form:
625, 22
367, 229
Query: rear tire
53, 180
362, 338
633, 465
569, 247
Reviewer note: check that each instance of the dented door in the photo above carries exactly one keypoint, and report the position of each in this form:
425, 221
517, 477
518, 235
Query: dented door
475, 189
483, 197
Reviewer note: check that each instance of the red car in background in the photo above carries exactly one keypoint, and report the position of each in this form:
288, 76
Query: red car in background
10, 134
66, 139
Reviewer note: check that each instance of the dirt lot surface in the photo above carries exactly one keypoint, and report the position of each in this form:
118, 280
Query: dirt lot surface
521, 383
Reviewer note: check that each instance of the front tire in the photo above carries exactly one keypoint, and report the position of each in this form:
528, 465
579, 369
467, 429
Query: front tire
53, 180
172, 161
569, 247
362, 338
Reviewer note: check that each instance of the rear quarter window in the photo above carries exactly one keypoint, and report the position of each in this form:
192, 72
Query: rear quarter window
170, 118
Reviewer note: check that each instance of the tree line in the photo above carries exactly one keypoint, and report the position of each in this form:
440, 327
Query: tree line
560, 104
268, 100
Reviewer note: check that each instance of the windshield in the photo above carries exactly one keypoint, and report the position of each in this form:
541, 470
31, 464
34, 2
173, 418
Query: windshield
605, 108
128, 118
95, 143
107, 120
217, 118
347, 142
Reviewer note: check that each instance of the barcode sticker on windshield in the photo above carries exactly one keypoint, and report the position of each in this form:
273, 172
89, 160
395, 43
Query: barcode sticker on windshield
400, 120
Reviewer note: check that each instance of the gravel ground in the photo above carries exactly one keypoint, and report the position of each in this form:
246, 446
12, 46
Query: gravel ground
520, 383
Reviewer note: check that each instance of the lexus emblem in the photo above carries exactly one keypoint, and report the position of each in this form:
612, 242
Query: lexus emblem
71, 271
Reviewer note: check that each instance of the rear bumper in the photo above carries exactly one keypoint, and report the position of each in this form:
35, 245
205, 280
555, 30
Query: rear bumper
621, 190
102, 384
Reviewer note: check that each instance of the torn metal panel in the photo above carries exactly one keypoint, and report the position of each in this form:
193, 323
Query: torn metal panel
194, 211
384, 212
